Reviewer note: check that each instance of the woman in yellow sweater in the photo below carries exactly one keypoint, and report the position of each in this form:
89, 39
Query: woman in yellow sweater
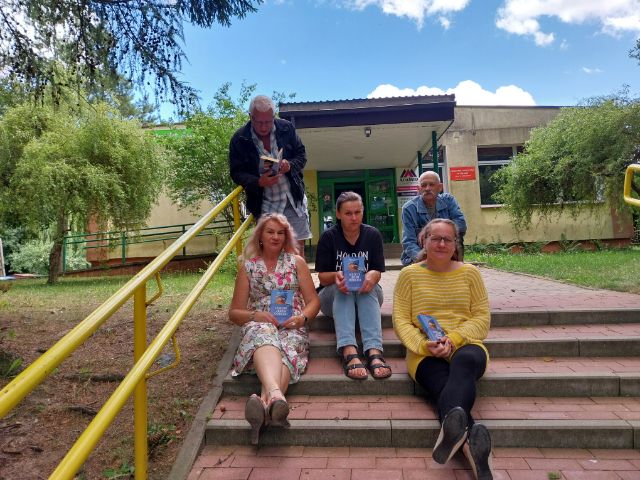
448, 369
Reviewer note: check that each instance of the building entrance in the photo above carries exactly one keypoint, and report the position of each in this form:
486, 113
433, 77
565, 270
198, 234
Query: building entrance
377, 192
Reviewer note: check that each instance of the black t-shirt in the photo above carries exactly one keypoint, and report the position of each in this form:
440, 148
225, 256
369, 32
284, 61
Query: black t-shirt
332, 247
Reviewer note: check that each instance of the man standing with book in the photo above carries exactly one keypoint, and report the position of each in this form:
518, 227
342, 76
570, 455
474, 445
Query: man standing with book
430, 203
266, 138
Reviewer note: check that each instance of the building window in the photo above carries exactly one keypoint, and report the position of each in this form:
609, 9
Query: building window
490, 160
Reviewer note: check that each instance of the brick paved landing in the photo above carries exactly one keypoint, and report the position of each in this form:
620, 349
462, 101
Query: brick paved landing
353, 463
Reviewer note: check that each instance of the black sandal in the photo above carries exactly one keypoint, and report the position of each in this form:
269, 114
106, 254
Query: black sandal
349, 368
373, 368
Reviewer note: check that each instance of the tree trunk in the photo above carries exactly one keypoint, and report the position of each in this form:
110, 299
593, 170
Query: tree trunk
55, 257
2, 271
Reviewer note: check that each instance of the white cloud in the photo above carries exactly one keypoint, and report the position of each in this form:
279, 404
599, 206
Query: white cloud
521, 17
590, 71
416, 10
467, 92
445, 22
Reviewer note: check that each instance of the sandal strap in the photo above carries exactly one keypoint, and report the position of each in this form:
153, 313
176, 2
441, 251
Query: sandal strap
353, 367
375, 356
346, 359
378, 365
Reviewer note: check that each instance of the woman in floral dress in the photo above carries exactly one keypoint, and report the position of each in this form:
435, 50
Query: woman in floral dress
276, 352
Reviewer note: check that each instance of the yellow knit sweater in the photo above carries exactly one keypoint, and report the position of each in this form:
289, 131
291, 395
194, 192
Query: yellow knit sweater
458, 299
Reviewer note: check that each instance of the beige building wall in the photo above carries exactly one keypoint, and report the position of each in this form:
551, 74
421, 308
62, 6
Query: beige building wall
473, 127
311, 183
506, 126
166, 213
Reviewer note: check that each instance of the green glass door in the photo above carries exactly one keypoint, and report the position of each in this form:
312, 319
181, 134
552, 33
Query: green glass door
377, 192
382, 208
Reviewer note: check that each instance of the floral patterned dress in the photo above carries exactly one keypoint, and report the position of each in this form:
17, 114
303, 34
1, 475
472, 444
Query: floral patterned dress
293, 343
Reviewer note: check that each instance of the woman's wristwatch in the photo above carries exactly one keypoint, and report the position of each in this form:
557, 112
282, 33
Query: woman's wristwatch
305, 320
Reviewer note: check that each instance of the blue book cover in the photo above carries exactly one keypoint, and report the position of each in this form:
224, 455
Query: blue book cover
281, 304
431, 327
353, 270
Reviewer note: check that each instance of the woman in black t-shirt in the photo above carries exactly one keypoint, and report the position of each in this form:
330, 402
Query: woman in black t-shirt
351, 238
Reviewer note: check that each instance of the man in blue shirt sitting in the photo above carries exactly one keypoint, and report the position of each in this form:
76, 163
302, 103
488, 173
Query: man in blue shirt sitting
429, 204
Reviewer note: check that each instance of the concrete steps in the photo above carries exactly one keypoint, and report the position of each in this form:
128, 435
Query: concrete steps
571, 377
613, 340
555, 380
405, 421
528, 319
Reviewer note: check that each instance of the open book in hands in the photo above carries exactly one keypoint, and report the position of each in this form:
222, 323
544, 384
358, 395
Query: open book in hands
431, 327
270, 165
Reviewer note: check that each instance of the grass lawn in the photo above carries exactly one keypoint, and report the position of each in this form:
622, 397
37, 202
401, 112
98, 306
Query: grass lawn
68, 291
34, 315
609, 269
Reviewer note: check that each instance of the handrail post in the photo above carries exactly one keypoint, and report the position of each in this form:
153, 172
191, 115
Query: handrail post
140, 394
628, 181
184, 249
236, 223
123, 245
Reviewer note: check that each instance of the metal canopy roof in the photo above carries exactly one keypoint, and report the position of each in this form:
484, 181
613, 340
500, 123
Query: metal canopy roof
333, 132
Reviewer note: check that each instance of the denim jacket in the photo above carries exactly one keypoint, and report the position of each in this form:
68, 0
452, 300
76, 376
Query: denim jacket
415, 216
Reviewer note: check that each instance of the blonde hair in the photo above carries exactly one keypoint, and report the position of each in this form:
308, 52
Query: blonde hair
426, 231
254, 247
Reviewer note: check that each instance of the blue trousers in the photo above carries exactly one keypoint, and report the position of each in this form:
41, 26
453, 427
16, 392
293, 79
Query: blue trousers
342, 307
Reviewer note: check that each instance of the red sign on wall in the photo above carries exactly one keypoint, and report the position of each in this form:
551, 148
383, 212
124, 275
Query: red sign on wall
462, 173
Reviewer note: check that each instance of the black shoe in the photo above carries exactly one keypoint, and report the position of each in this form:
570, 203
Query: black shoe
452, 435
479, 452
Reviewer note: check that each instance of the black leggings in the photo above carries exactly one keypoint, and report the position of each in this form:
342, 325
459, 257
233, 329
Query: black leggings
453, 384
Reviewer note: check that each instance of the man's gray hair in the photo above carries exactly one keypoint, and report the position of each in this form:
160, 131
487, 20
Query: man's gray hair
261, 103
430, 172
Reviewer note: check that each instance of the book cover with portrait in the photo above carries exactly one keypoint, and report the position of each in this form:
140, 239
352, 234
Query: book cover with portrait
269, 165
431, 327
281, 305
353, 270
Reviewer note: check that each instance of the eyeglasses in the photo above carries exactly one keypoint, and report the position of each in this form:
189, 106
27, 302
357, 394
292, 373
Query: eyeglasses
437, 240
262, 122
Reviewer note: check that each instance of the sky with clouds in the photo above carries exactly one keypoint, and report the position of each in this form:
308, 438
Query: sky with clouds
489, 52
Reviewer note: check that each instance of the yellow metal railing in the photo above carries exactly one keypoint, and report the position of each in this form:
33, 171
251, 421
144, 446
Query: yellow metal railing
144, 356
628, 179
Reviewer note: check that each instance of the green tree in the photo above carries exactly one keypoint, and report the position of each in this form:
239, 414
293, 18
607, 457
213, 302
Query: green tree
635, 51
199, 167
62, 167
96, 39
575, 161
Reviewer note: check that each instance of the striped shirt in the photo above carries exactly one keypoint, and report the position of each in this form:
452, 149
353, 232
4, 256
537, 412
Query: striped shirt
457, 299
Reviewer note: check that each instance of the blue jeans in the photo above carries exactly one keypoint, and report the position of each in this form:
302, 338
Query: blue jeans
342, 308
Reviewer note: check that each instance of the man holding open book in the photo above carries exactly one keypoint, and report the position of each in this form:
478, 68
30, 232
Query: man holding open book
266, 157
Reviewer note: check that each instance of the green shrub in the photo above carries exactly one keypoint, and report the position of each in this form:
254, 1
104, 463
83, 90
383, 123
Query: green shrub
33, 257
